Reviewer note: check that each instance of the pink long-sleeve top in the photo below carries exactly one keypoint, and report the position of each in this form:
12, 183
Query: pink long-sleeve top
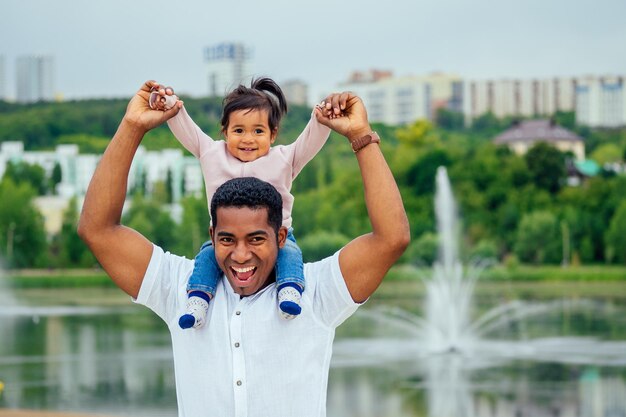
279, 167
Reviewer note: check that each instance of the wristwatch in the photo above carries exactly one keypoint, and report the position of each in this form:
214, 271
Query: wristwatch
362, 142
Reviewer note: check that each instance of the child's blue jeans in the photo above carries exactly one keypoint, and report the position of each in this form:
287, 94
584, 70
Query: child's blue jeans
206, 272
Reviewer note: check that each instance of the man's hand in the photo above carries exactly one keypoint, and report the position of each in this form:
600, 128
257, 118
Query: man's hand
345, 114
141, 116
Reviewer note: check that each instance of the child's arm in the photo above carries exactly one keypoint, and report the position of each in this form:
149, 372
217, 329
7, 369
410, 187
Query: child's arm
188, 133
308, 144
181, 125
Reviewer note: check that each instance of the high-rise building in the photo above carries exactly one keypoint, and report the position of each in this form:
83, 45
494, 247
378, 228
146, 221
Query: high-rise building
402, 100
35, 78
3, 78
601, 101
228, 65
392, 100
296, 91
514, 97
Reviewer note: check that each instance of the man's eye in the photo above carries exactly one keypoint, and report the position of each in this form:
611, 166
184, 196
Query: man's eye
226, 240
257, 240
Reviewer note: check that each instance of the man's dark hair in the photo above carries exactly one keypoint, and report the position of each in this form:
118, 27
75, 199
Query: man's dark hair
252, 193
263, 94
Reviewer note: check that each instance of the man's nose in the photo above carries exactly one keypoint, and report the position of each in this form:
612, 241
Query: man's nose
241, 253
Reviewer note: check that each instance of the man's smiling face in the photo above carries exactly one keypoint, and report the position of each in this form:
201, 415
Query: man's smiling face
246, 247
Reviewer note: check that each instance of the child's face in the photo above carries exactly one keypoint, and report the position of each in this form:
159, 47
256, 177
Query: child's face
248, 136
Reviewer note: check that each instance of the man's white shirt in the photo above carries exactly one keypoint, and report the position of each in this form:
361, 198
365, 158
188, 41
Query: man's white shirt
247, 361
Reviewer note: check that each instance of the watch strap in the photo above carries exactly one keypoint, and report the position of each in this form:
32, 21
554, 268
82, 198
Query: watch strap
362, 142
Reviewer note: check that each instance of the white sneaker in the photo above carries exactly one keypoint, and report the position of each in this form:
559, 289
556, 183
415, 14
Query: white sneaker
289, 303
195, 316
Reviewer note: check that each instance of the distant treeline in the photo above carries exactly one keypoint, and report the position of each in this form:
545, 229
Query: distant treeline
513, 208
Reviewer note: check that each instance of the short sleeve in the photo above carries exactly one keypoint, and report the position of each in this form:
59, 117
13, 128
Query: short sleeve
164, 283
330, 297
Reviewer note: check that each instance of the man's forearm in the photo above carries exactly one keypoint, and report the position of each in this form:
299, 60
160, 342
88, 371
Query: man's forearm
382, 199
365, 261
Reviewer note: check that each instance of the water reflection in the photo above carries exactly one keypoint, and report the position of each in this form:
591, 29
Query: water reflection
118, 361
450, 385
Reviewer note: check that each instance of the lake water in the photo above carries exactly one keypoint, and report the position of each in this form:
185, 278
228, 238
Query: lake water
93, 351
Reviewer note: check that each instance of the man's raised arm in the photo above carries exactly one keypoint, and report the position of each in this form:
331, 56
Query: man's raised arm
123, 252
365, 261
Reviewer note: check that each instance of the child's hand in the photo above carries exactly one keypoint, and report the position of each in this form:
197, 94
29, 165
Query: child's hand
162, 98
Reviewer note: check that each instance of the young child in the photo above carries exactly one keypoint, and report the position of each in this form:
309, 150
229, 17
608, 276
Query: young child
250, 120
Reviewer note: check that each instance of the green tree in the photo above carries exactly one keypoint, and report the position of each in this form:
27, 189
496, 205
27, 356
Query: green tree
321, 244
86, 143
55, 178
567, 119
538, 238
449, 119
616, 236
23, 172
414, 141
193, 230
72, 250
160, 193
607, 153
488, 124
546, 165
150, 219
421, 176
423, 250
22, 235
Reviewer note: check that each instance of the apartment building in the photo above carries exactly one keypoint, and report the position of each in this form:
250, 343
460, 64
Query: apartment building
148, 168
296, 92
34, 78
516, 97
228, 64
401, 100
601, 101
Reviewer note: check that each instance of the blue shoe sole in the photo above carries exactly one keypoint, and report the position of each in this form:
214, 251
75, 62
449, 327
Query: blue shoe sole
290, 307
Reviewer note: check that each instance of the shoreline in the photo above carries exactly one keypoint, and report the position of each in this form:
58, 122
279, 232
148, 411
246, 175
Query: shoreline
4, 412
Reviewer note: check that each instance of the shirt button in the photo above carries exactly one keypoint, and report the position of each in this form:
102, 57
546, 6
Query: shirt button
239, 383
237, 344
238, 313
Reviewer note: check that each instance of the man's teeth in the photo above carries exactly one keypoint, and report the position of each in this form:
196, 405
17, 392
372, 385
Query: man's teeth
242, 270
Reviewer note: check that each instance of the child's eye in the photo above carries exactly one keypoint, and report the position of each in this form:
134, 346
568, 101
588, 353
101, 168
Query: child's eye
238, 130
259, 131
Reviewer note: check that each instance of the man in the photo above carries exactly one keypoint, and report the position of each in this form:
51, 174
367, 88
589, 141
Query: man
254, 368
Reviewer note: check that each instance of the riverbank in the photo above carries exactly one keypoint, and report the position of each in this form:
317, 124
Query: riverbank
55, 278
35, 413
531, 273
76, 278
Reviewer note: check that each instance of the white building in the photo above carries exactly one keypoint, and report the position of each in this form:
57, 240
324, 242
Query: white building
228, 65
524, 135
296, 91
77, 169
35, 78
601, 102
392, 100
515, 97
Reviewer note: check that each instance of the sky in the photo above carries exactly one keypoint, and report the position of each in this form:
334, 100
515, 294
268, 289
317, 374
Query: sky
108, 48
